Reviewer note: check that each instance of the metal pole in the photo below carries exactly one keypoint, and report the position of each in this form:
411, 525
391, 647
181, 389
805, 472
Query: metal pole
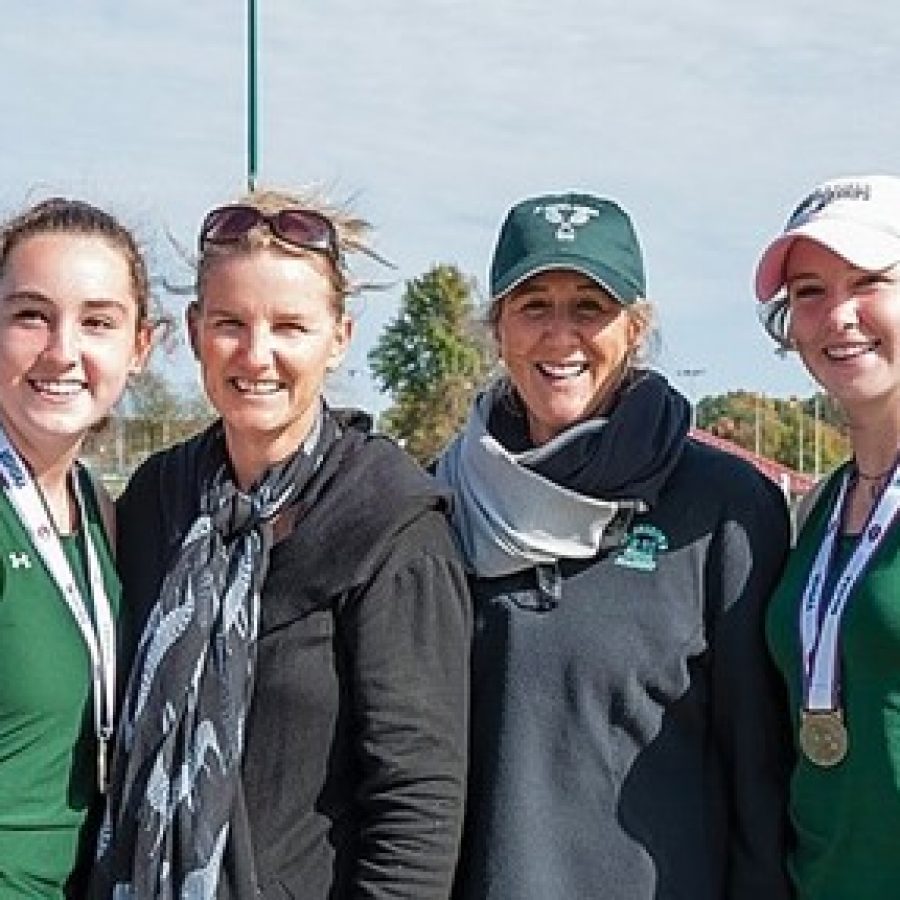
120, 446
817, 436
692, 374
800, 417
757, 428
251, 95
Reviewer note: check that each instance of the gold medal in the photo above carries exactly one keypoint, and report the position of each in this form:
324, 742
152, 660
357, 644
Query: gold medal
823, 736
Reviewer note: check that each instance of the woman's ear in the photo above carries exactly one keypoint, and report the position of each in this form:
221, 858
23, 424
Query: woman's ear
637, 331
143, 344
640, 324
343, 331
497, 335
192, 316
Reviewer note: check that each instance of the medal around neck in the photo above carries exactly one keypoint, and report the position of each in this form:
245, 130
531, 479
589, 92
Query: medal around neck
823, 732
823, 736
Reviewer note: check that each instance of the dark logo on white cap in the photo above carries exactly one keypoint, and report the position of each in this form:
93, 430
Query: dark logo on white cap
567, 216
826, 195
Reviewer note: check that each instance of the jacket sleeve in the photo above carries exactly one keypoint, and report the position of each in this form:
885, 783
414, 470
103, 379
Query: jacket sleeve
408, 635
140, 556
749, 701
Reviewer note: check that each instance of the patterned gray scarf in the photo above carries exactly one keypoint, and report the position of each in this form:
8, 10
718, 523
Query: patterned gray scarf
176, 797
518, 506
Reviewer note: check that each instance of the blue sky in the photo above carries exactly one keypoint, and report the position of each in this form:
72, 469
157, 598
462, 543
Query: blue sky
708, 121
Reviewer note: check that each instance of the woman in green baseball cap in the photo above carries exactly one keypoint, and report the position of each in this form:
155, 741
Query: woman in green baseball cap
627, 725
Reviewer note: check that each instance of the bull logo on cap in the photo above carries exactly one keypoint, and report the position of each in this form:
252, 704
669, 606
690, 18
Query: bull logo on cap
567, 216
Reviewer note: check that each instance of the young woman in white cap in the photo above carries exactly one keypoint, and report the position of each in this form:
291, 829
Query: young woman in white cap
628, 730
831, 288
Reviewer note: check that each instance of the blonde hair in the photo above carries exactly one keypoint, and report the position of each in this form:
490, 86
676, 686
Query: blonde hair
351, 230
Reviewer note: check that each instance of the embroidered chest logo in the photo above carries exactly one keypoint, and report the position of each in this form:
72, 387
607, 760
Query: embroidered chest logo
19, 560
568, 216
643, 544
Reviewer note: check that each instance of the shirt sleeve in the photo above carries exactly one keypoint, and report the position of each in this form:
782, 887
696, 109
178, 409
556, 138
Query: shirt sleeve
408, 634
749, 701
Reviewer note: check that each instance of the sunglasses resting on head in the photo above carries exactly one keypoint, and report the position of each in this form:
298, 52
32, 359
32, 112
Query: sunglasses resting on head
300, 228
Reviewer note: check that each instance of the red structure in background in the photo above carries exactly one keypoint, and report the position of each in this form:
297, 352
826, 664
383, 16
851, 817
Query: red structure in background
794, 484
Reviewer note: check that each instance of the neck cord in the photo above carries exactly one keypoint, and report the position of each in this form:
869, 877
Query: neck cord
876, 478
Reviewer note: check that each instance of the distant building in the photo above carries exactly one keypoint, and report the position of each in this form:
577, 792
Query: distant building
794, 484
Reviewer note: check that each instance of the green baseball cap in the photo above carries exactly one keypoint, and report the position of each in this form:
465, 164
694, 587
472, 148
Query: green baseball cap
579, 232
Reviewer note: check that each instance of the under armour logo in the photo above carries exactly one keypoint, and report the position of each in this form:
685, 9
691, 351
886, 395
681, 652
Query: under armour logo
567, 216
20, 560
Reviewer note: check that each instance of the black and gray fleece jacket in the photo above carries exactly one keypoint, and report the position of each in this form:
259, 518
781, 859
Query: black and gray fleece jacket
629, 734
355, 759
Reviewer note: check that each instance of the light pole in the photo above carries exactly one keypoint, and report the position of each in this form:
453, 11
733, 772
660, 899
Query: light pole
817, 436
798, 403
251, 95
691, 374
757, 423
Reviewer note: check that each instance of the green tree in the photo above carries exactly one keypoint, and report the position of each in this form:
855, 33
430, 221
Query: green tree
775, 426
431, 359
151, 396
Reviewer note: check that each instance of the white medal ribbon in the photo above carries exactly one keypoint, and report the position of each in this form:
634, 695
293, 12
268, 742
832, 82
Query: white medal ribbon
25, 499
820, 617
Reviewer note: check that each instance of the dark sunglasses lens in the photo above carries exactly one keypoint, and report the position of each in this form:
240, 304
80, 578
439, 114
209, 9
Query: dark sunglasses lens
227, 224
305, 229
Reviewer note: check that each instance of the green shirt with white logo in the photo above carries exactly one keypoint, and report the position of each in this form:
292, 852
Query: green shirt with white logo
47, 745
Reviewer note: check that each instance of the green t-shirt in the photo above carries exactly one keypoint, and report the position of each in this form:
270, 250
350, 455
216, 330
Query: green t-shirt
847, 818
47, 745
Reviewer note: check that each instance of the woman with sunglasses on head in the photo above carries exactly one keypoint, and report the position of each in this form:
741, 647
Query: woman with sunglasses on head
628, 740
830, 284
295, 725
73, 326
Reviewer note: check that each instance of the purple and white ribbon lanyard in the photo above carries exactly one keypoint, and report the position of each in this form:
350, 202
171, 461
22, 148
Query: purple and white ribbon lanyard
820, 617
99, 638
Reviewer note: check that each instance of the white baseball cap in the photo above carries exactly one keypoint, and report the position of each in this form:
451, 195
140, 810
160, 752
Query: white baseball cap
857, 217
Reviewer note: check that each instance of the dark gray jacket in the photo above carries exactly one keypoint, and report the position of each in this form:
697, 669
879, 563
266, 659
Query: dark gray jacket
354, 768
629, 736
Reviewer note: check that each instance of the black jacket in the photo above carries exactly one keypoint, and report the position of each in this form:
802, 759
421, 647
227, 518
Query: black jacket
354, 768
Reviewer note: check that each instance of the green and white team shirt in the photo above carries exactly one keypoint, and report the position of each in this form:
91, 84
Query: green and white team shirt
48, 769
846, 817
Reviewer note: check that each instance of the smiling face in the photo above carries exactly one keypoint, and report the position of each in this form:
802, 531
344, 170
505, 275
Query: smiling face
565, 343
69, 338
845, 323
266, 332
